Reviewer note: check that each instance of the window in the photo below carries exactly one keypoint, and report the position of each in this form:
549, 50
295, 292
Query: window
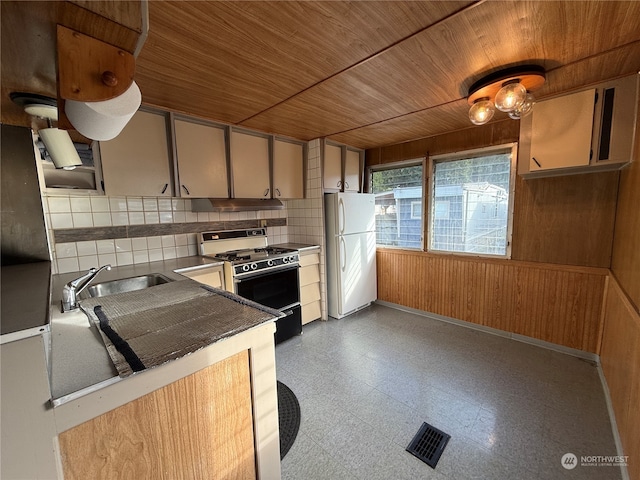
470, 202
398, 191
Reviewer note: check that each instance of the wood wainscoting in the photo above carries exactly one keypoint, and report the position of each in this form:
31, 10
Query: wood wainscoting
560, 304
620, 358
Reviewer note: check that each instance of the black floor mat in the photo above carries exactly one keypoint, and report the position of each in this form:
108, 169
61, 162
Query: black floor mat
428, 444
288, 418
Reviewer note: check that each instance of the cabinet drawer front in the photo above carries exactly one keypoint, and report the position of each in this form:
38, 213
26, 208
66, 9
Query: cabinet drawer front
309, 275
309, 293
310, 312
310, 259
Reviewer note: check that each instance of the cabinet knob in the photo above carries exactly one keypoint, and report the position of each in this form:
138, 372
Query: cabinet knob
266, 192
186, 190
166, 185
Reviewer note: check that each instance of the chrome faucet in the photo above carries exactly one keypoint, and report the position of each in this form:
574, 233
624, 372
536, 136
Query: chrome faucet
74, 287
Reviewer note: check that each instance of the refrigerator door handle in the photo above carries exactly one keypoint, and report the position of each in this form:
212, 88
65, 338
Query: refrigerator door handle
343, 253
341, 216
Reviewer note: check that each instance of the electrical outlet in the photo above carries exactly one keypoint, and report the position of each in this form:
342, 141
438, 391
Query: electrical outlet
263, 223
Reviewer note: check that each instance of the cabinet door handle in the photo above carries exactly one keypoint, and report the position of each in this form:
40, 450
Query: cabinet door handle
278, 192
266, 192
537, 163
166, 185
186, 190
339, 184
346, 185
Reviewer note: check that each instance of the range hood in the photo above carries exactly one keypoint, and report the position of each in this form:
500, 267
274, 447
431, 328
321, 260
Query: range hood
234, 204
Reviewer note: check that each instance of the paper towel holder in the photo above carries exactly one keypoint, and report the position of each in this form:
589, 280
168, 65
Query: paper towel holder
57, 142
96, 92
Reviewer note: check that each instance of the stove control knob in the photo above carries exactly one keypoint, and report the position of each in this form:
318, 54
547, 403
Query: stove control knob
285, 260
254, 266
270, 263
245, 268
292, 259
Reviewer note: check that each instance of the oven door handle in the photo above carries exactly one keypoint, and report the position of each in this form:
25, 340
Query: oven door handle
265, 271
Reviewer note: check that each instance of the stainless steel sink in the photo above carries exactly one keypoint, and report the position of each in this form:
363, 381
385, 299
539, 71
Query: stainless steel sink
124, 285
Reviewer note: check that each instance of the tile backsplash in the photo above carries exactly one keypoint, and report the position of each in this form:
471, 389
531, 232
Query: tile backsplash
81, 212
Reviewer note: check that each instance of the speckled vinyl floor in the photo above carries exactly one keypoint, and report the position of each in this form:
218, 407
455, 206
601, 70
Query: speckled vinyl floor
367, 382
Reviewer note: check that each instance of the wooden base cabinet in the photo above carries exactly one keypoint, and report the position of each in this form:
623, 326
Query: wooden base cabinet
200, 426
310, 285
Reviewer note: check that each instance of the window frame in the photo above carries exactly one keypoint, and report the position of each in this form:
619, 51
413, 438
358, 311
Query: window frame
461, 155
414, 162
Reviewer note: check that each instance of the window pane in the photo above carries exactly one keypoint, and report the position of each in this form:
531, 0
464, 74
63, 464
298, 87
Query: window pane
470, 205
398, 206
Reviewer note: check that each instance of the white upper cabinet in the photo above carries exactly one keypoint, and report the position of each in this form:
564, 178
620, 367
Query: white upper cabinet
250, 165
288, 170
352, 171
136, 162
342, 169
201, 159
332, 168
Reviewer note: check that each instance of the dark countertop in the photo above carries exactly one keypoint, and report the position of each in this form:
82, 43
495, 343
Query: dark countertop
24, 291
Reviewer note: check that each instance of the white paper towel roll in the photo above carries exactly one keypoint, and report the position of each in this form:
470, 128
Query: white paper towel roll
60, 148
104, 120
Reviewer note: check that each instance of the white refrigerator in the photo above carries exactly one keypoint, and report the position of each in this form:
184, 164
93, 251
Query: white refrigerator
351, 252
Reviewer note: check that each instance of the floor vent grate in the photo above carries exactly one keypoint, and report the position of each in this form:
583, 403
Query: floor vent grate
428, 444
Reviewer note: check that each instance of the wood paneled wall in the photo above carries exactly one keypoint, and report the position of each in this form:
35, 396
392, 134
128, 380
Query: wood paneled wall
620, 357
561, 220
556, 304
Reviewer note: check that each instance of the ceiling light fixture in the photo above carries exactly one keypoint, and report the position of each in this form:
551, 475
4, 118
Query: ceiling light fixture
508, 90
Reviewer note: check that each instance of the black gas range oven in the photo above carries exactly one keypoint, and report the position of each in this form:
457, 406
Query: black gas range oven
256, 271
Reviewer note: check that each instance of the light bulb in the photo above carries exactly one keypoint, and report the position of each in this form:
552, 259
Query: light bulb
510, 97
481, 111
525, 109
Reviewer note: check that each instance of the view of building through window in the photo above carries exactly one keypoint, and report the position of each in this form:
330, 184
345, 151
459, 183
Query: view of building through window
470, 205
398, 206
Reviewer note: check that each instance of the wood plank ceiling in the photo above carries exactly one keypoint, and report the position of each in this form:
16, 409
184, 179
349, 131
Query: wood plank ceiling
365, 73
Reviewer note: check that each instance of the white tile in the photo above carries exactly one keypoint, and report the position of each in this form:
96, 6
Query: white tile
123, 245
119, 218
118, 204
179, 217
178, 204
191, 217
154, 242
168, 241
107, 259
82, 220
80, 204
182, 251
151, 218
61, 220
59, 205
166, 217
155, 254
101, 219
193, 249
136, 218
134, 204
141, 256
139, 244
105, 246
169, 253
181, 239
124, 258
66, 265
203, 217
150, 204
99, 204
187, 204
214, 216
165, 204
66, 250
88, 261
86, 248
192, 239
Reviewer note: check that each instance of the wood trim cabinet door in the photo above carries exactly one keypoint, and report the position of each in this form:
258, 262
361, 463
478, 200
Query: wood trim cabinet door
352, 171
136, 162
250, 165
212, 276
332, 168
288, 170
200, 426
202, 160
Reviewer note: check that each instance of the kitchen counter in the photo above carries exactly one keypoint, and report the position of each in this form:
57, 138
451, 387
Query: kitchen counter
296, 246
25, 300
